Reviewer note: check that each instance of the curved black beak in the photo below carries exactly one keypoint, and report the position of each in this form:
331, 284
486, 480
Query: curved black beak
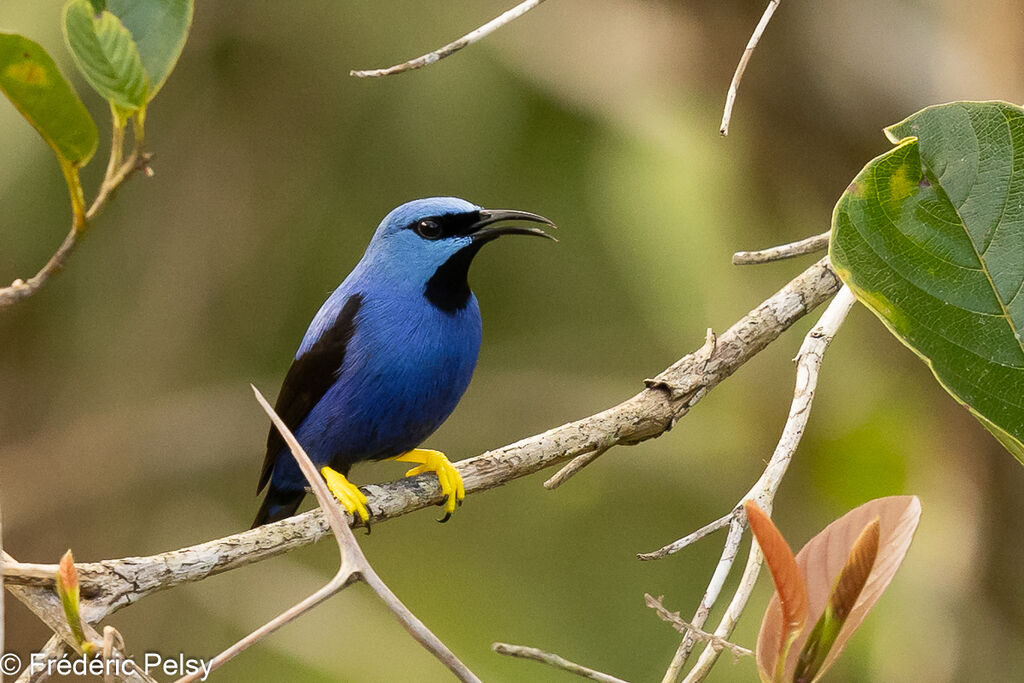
481, 233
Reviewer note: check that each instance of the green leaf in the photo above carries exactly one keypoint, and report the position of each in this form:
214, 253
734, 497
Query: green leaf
106, 55
159, 28
37, 89
930, 236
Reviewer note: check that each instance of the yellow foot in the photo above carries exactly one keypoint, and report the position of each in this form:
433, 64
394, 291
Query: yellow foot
350, 497
449, 477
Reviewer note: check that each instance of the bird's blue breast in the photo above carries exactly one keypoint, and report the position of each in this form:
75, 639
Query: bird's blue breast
404, 370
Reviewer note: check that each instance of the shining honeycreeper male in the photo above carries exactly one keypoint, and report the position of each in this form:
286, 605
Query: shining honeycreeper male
388, 356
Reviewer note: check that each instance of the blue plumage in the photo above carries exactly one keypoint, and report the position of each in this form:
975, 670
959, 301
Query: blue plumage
391, 351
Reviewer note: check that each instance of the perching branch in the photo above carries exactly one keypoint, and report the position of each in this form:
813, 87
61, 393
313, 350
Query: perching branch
109, 585
452, 47
353, 567
554, 660
763, 492
808, 245
117, 173
748, 52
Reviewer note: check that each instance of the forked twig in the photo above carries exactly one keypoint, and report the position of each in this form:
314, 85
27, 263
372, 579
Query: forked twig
708, 600
763, 492
354, 567
452, 47
748, 52
686, 628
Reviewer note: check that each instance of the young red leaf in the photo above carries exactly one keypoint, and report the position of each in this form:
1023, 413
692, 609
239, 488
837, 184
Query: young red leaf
822, 560
789, 588
848, 587
68, 590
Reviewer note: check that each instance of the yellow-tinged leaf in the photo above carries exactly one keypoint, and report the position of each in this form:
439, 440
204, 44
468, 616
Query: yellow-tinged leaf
31, 81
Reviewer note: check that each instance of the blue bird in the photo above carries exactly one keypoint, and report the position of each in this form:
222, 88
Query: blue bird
388, 356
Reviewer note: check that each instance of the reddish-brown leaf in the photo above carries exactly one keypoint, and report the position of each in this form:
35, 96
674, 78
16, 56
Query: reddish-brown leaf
848, 586
855, 572
789, 584
824, 557
67, 576
68, 590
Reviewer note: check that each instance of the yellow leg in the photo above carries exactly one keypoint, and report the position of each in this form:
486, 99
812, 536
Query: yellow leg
350, 497
447, 475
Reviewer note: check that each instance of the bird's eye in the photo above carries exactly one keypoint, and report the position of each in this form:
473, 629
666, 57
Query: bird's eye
428, 229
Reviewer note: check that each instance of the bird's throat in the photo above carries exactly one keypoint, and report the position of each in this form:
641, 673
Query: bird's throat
448, 287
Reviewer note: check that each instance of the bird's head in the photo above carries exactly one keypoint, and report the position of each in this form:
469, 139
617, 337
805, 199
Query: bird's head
430, 243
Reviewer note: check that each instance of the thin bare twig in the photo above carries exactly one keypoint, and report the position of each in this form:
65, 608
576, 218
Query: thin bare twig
763, 492
808, 245
748, 52
729, 551
452, 47
577, 464
685, 627
554, 660
676, 546
353, 567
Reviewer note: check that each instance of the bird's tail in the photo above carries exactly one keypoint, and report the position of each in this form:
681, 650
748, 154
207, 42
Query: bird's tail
278, 504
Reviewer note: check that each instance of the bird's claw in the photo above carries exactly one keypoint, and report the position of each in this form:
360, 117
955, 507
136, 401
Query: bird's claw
347, 493
447, 476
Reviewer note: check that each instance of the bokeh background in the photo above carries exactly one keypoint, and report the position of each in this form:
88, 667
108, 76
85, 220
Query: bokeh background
127, 426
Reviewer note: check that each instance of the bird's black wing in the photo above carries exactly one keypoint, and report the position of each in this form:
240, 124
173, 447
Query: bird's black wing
309, 378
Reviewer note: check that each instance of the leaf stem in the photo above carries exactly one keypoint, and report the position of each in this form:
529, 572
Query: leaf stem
74, 182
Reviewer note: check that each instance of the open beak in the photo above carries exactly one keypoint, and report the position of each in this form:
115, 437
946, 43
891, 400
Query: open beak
481, 233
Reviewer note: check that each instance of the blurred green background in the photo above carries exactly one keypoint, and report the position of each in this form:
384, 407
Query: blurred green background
127, 426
